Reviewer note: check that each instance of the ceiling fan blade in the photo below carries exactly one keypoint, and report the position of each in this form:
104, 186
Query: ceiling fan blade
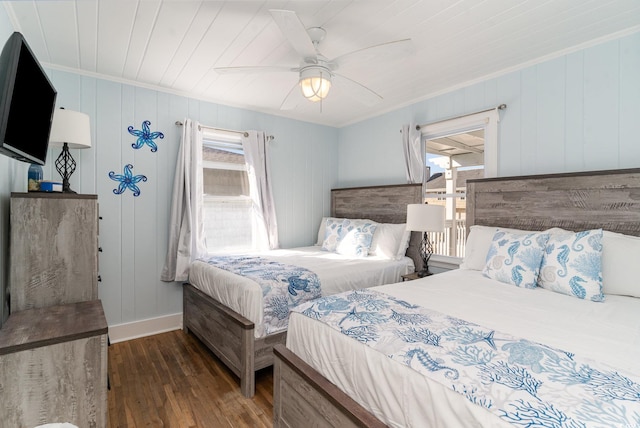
382, 52
254, 69
293, 99
296, 34
355, 90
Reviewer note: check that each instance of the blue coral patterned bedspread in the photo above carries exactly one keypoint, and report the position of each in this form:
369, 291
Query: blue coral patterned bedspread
283, 286
523, 382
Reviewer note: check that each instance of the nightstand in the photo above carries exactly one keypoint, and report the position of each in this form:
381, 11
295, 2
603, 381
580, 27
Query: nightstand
410, 276
54, 366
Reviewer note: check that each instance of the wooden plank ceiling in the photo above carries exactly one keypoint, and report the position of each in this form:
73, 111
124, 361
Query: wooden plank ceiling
174, 45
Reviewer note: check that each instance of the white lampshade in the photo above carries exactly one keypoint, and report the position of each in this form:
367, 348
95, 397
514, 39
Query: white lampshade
71, 127
425, 218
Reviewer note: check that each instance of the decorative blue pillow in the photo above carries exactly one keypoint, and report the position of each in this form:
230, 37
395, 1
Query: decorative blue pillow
572, 264
515, 258
356, 237
332, 234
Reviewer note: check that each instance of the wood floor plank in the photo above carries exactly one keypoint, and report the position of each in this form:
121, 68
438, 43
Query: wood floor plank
172, 380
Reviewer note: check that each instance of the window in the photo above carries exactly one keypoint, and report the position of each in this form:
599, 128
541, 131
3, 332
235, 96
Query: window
448, 186
458, 149
227, 208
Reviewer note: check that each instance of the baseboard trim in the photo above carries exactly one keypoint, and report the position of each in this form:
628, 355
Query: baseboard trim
148, 327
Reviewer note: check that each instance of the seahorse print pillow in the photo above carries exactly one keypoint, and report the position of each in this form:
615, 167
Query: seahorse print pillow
332, 234
572, 265
356, 237
515, 258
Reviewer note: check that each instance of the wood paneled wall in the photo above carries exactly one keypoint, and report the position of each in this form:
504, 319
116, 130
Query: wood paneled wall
134, 230
575, 112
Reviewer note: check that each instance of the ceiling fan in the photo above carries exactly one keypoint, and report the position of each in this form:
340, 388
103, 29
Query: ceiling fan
317, 74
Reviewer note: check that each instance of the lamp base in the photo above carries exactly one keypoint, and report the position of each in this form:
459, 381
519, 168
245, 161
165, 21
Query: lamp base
65, 165
423, 273
66, 186
426, 249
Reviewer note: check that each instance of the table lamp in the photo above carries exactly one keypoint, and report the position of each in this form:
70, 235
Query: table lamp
70, 129
425, 218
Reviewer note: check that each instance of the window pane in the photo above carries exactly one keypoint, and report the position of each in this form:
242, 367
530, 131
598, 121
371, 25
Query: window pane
227, 210
454, 159
227, 224
224, 182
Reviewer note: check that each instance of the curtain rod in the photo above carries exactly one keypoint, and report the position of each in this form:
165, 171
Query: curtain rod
244, 133
201, 127
500, 107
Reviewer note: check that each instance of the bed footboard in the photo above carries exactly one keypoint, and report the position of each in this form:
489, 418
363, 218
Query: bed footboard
229, 335
301, 394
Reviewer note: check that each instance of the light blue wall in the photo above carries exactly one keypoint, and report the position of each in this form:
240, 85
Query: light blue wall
133, 230
578, 112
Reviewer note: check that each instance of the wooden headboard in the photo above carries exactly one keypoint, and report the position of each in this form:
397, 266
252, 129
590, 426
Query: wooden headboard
383, 204
574, 201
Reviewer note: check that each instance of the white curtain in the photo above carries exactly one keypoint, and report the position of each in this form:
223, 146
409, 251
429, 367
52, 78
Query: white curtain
255, 153
186, 230
413, 153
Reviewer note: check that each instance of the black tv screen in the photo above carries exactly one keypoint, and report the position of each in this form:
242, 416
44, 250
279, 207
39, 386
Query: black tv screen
27, 103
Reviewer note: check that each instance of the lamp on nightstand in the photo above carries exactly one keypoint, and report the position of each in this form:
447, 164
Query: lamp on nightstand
70, 129
425, 218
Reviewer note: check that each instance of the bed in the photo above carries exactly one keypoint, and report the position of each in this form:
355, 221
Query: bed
327, 376
224, 309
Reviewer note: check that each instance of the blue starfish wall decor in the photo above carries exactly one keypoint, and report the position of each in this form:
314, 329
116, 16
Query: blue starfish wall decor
145, 136
127, 181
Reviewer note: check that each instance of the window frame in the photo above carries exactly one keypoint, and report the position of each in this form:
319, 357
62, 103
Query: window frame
487, 120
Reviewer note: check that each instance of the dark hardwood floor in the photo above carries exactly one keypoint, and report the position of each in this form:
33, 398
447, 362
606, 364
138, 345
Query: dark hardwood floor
173, 380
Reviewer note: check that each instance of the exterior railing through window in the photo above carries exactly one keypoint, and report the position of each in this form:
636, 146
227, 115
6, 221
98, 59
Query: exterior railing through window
442, 241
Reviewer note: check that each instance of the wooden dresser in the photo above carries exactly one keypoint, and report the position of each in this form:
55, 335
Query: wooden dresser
53, 366
53, 249
53, 346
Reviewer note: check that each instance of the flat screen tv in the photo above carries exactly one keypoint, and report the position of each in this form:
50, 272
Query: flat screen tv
27, 103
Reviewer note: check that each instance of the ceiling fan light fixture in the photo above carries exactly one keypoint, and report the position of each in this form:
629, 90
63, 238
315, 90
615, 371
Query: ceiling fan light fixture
315, 83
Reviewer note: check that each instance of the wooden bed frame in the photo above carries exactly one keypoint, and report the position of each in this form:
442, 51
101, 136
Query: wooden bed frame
572, 201
231, 337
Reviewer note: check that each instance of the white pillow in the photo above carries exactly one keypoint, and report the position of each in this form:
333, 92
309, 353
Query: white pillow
620, 264
321, 228
514, 258
557, 232
390, 241
356, 237
572, 265
404, 244
477, 247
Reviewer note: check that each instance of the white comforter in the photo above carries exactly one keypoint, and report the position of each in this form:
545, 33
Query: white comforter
608, 332
337, 273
